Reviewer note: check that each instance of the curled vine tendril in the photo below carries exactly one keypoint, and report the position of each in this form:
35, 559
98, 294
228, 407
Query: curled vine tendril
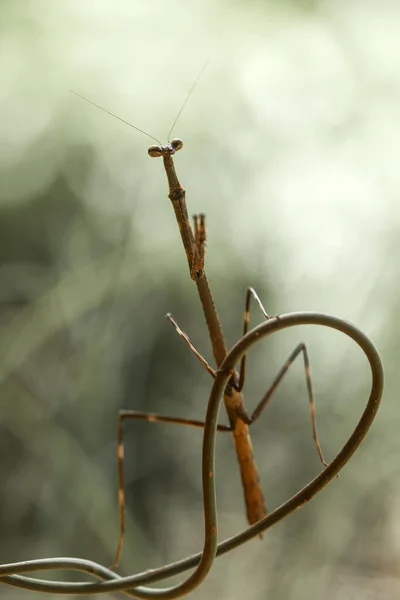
134, 585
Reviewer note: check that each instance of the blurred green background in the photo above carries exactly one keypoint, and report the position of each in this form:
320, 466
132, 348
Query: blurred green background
291, 148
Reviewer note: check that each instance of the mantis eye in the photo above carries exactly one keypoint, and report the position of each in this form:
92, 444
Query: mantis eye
176, 144
155, 151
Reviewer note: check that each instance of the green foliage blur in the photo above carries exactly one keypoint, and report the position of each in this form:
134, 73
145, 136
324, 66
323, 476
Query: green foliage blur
290, 148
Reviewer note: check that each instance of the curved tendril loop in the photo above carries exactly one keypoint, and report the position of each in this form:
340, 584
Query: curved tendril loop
203, 561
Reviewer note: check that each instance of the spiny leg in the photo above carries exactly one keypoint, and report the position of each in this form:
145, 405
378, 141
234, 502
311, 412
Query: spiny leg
187, 341
264, 401
251, 293
152, 417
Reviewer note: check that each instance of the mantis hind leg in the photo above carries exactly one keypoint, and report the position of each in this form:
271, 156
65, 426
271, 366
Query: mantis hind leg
152, 417
300, 349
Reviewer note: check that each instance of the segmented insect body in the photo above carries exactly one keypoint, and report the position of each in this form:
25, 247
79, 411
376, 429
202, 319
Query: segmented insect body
194, 245
239, 420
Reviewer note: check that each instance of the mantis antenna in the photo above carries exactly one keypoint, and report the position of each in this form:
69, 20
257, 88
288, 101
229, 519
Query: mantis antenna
115, 116
134, 126
203, 68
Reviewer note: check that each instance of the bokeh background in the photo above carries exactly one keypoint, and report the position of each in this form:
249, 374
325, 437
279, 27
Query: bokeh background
292, 148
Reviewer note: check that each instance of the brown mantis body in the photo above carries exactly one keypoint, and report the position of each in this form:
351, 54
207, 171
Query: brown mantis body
239, 420
233, 399
194, 244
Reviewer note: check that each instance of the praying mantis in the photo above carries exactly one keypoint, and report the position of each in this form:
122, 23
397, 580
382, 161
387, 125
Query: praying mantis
194, 240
